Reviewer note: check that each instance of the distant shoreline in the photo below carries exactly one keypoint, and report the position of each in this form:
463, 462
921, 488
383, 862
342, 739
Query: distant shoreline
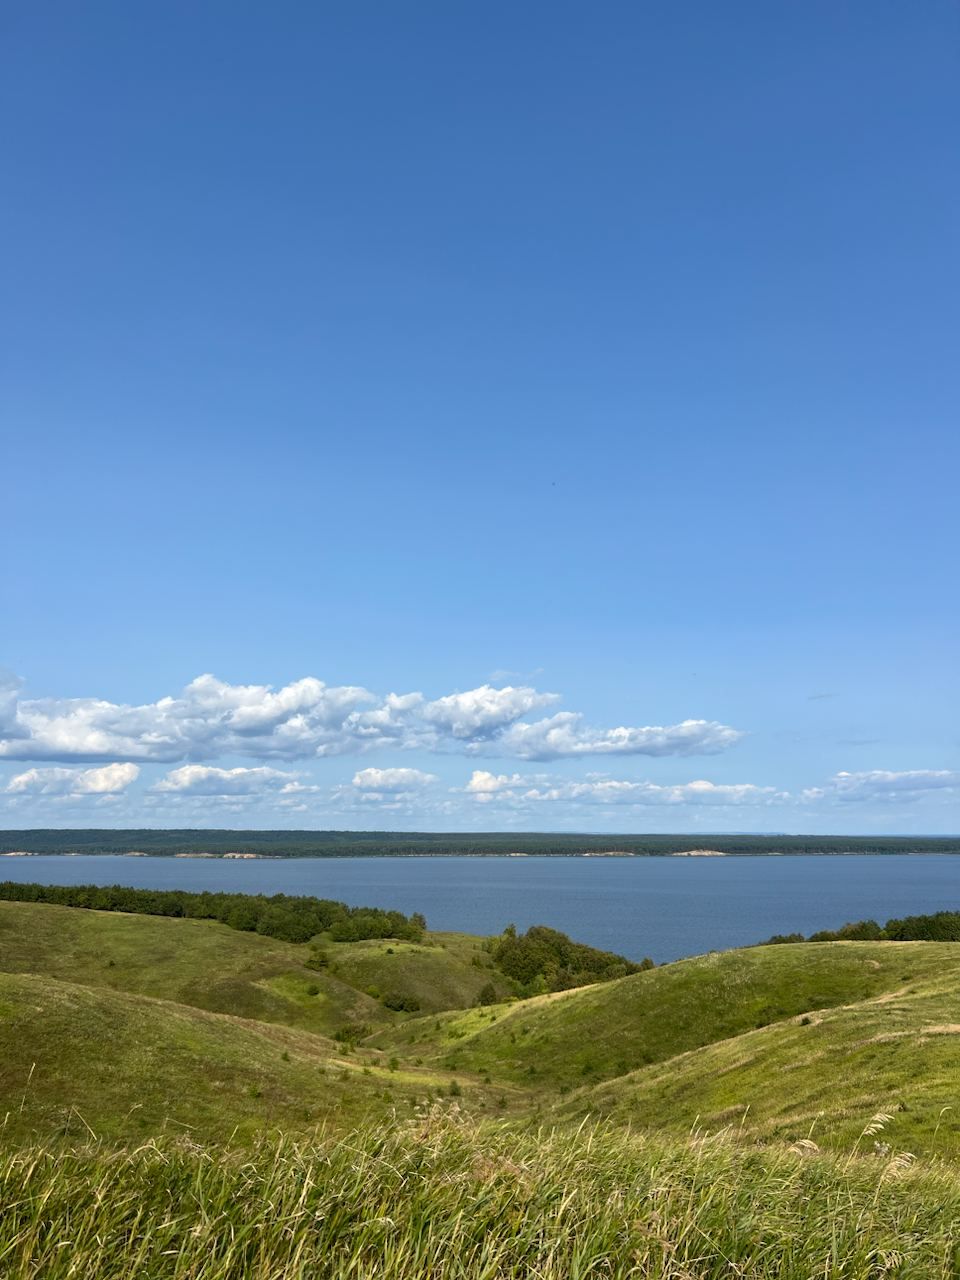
247, 845
202, 856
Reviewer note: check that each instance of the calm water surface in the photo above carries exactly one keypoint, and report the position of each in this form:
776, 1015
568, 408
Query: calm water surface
660, 907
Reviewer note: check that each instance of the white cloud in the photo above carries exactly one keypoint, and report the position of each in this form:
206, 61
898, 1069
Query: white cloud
204, 780
208, 719
111, 779
886, 784
516, 790
483, 783
564, 734
306, 719
392, 780
484, 712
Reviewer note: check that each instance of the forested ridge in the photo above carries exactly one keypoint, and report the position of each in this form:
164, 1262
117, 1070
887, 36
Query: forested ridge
537, 961
291, 918
332, 844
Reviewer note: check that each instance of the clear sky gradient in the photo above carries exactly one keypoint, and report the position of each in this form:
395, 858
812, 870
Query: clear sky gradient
599, 351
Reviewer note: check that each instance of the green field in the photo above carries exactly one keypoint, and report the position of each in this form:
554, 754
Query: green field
754, 1112
820, 1075
595, 1033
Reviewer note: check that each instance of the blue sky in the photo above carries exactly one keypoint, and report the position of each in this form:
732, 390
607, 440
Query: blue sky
521, 361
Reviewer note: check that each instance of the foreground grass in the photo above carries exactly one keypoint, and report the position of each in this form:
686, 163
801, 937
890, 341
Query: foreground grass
443, 1199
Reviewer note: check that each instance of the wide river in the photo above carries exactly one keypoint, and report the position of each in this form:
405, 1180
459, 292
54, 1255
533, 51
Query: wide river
659, 907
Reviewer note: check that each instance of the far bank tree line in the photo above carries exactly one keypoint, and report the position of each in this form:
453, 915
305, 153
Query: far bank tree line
352, 844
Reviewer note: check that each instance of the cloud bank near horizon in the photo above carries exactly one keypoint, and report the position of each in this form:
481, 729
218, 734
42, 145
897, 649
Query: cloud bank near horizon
308, 719
257, 751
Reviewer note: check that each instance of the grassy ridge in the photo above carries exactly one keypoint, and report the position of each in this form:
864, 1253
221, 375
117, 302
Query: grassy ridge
817, 1076
440, 1199
194, 962
103, 1040
219, 1029
203, 964
76, 1061
596, 1033
445, 971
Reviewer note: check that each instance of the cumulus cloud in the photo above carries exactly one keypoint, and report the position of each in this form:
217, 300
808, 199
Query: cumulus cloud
520, 791
392, 780
886, 784
205, 780
208, 719
306, 719
565, 734
111, 779
483, 783
482, 713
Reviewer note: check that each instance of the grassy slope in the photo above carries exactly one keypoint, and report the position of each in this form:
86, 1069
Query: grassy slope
672, 1045
440, 974
194, 962
597, 1033
822, 1079
205, 964
75, 1059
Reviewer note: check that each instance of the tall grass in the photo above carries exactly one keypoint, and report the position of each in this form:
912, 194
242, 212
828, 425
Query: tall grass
443, 1199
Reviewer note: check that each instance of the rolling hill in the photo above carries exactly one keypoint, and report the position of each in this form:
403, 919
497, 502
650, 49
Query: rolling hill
203, 964
596, 1033
134, 1025
817, 1077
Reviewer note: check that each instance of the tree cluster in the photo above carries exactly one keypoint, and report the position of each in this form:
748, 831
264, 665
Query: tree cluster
289, 918
544, 959
940, 926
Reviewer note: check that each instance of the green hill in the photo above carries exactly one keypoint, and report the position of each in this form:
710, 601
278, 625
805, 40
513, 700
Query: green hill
80, 1061
596, 1033
140, 1023
445, 971
820, 1076
676, 1110
209, 966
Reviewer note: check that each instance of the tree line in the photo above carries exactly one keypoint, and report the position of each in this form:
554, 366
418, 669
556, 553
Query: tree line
287, 917
940, 926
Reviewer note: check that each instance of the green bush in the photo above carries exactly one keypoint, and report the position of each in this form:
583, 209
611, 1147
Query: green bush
400, 1002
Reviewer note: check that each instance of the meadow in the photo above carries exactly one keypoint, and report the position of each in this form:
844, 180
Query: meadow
180, 1098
